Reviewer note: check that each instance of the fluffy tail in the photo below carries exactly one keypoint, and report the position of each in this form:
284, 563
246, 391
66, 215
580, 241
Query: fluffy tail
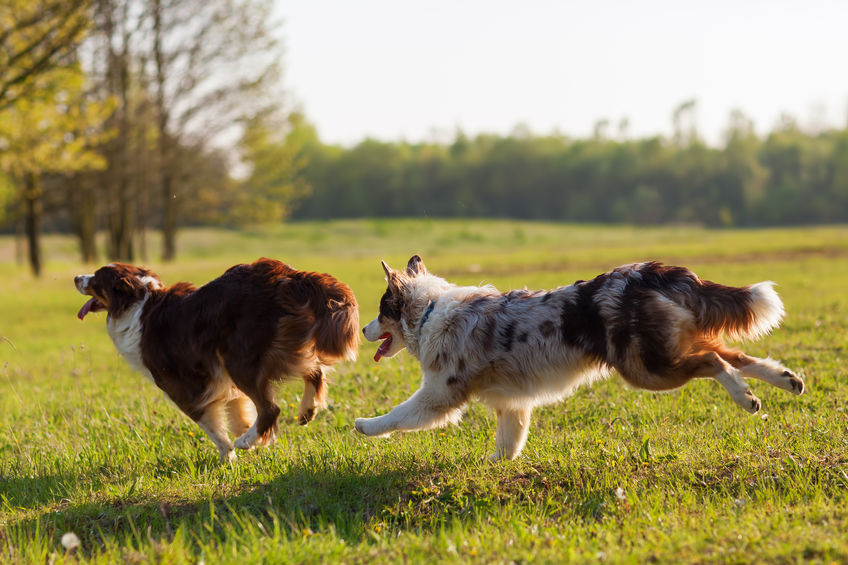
739, 313
337, 325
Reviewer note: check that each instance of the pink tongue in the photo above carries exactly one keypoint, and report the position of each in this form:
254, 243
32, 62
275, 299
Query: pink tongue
86, 308
383, 346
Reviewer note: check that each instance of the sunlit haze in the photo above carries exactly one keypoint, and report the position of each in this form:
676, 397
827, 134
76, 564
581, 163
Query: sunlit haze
416, 71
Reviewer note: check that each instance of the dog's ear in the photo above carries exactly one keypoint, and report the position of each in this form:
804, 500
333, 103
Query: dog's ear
388, 270
415, 266
392, 277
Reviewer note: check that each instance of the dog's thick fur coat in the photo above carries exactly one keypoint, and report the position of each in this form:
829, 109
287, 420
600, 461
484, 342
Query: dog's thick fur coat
217, 351
658, 326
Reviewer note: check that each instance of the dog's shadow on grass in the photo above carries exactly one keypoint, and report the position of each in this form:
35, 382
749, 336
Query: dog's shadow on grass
350, 497
313, 496
307, 497
26, 492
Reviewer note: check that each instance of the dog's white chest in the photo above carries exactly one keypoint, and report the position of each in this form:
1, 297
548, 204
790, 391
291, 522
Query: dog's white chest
126, 335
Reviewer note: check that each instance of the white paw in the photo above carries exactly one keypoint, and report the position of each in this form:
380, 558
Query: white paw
228, 456
750, 402
499, 456
306, 415
247, 441
794, 383
370, 427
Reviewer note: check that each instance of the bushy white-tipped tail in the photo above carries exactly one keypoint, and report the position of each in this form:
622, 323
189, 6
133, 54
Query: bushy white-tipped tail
766, 310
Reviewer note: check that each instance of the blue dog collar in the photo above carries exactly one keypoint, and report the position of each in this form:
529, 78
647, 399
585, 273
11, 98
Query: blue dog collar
427, 313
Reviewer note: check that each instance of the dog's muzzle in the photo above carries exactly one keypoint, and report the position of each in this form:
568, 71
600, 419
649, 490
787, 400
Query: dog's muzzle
82, 282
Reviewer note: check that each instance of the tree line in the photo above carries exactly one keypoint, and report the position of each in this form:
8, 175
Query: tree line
118, 117
788, 176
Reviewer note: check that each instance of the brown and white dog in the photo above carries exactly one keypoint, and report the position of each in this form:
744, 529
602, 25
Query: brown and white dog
218, 350
658, 326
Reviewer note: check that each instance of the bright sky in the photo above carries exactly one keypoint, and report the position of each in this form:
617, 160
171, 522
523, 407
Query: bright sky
399, 69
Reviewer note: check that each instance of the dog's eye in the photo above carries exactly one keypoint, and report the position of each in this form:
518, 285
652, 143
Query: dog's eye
388, 307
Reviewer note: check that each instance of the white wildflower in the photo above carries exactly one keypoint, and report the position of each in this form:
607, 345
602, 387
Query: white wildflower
70, 541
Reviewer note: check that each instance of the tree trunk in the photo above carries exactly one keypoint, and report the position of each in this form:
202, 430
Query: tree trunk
145, 171
84, 205
121, 223
126, 198
126, 221
32, 221
142, 237
169, 200
142, 205
121, 216
169, 219
88, 236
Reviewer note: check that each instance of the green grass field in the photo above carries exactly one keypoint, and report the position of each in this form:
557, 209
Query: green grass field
611, 474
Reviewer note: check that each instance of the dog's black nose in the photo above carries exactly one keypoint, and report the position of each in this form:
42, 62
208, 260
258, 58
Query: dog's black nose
363, 330
76, 279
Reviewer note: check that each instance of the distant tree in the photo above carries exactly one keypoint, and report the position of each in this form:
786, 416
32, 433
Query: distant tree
599, 132
276, 154
840, 177
685, 126
782, 154
48, 134
8, 193
203, 172
213, 61
744, 177
624, 129
790, 176
118, 28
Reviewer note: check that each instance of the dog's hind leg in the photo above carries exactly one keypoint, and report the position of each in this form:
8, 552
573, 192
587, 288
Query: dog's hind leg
241, 413
767, 370
314, 396
710, 364
213, 422
264, 429
424, 410
513, 426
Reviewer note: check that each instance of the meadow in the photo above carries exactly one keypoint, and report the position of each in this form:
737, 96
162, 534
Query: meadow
609, 475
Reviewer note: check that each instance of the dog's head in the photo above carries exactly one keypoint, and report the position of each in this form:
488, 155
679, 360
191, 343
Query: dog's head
387, 325
115, 288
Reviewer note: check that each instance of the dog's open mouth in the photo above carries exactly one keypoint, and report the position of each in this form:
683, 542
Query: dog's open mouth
383, 346
92, 305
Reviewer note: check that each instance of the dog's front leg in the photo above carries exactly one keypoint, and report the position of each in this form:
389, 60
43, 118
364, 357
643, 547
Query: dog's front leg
424, 410
213, 422
513, 426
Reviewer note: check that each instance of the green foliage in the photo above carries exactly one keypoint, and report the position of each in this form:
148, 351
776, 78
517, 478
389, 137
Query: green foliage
36, 37
790, 177
275, 154
47, 122
48, 125
7, 196
610, 474
54, 131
